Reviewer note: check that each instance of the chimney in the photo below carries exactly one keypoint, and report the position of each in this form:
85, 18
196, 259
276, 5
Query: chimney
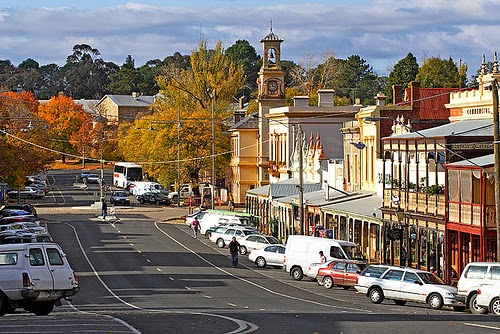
238, 115
415, 95
325, 98
241, 102
135, 95
380, 99
397, 94
301, 101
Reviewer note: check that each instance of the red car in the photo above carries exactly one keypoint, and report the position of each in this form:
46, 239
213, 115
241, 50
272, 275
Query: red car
342, 273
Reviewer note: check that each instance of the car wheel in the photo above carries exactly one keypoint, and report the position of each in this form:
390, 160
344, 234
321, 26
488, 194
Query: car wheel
260, 262
376, 295
42, 308
436, 301
157, 202
319, 281
243, 250
4, 306
474, 308
328, 282
220, 243
141, 201
207, 233
495, 306
297, 273
400, 302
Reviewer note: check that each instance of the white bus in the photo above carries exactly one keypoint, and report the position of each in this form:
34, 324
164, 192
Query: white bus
126, 173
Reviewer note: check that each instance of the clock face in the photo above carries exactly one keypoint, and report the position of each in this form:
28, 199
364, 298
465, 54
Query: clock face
272, 87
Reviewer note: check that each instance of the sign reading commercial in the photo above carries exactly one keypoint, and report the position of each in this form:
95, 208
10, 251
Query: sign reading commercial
477, 111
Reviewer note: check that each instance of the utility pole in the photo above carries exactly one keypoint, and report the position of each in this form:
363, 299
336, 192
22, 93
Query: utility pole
301, 182
496, 153
179, 127
213, 154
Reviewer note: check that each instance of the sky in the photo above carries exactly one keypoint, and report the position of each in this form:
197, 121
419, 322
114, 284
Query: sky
380, 31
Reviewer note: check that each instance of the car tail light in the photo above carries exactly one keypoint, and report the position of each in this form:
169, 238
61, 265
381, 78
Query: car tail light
478, 291
284, 259
26, 280
75, 276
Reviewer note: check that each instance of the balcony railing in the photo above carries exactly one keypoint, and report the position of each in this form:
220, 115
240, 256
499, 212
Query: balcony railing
418, 202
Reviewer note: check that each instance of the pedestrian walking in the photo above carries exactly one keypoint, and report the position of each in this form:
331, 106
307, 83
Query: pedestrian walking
234, 249
195, 225
104, 208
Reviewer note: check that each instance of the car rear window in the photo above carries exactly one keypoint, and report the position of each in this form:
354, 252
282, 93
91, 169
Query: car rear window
55, 258
7, 259
495, 272
372, 271
476, 272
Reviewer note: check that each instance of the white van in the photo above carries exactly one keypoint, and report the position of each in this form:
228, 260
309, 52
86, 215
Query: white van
302, 250
215, 217
34, 276
139, 188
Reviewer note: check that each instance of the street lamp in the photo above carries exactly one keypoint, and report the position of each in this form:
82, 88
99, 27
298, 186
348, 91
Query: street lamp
213, 156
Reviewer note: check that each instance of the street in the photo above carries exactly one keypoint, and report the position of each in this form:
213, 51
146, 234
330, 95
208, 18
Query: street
145, 273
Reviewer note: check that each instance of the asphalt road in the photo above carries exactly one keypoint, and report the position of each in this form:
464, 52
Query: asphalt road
145, 273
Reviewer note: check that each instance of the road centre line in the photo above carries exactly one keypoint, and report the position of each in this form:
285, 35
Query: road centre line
244, 327
255, 284
481, 326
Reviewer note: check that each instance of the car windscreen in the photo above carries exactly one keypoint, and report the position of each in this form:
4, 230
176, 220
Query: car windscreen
353, 252
120, 194
429, 278
272, 240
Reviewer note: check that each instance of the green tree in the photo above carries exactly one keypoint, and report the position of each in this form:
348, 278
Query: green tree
147, 74
245, 55
126, 80
404, 72
87, 75
52, 81
439, 73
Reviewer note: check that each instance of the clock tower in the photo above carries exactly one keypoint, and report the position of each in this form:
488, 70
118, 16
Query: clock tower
271, 85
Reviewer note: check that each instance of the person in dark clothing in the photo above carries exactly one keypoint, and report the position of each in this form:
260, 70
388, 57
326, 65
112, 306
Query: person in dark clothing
104, 208
234, 249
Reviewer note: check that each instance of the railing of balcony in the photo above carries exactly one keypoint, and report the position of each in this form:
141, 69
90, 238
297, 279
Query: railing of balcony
422, 203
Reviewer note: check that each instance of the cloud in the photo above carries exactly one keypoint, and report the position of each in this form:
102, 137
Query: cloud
381, 32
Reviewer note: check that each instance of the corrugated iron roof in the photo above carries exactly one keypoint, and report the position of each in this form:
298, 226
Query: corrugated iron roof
482, 161
464, 128
365, 206
130, 101
284, 188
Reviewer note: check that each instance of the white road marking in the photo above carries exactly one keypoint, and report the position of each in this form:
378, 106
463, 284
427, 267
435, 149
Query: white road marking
481, 326
231, 304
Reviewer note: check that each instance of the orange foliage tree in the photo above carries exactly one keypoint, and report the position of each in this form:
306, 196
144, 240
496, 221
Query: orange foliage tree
64, 117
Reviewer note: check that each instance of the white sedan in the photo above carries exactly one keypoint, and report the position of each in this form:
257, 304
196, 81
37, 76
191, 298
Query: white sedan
272, 255
28, 192
313, 268
253, 242
488, 297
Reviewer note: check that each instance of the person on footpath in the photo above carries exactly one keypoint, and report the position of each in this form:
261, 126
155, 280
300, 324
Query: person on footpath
234, 249
104, 207
195, 225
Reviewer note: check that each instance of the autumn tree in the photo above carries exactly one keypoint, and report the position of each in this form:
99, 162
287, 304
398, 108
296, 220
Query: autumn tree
64, 117
212, 79
22, 137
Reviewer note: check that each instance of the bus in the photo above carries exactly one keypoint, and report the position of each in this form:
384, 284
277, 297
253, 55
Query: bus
126, 173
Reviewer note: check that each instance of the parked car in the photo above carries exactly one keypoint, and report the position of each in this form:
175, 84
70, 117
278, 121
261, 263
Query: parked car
12, 212
253, 242
38, 184
153, 198
22, 206
474, 275
93, 178
224, 238
27, 218
17, 237
403, 284
342, 273
119, 197
28, 192
488, 297
34, 276
272, 255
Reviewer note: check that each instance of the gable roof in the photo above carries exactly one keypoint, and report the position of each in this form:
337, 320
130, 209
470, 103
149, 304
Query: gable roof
249, 122
142, 101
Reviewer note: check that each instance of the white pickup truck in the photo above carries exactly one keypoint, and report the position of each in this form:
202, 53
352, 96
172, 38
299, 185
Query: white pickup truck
34, 276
